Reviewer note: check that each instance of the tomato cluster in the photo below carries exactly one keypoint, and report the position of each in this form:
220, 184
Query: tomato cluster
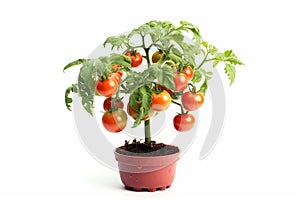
115, 118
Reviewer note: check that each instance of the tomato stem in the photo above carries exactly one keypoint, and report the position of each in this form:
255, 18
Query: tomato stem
192, 88
204, 60
147, 132
181, 107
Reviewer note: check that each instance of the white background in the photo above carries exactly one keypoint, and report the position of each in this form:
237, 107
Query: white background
41, 156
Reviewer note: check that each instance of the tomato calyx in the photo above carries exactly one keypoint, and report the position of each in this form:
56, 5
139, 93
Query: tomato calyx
192, 88
112, 104
117, 69
136, 58
132, 52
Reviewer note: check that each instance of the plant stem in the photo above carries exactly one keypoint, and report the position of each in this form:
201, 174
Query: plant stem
181, 107
147, 122
203, 61
147, 56
147, 132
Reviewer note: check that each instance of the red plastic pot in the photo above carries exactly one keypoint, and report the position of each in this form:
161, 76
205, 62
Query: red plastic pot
147, 173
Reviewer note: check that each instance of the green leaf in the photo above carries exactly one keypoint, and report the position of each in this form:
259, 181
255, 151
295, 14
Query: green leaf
227, 53
215, 63
165, 76
145, 93
122, 60
201, 73
74, 63
176, 52
69, 100
197, 76
194, 29
203, 88
206, 74
230, 71
86, 86
133, 99
235, 61
135, 80
117, 41
220, 57
176, 58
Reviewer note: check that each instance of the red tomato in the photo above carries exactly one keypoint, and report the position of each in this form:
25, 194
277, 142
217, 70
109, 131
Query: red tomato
107, 104
136, 58
116, 76
188, 71
181, 81
161, 101
134, 113
192, 101
107, 87
114, 121
184, 122
115, 68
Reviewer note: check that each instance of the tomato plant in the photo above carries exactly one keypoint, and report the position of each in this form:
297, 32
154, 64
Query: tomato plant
114, 121
136, 58
118, 103
107, 87
174, 67
183, 122
160, 101
192, 101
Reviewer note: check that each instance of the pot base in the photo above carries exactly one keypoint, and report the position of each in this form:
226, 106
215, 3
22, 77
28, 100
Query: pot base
150, 181
146, 189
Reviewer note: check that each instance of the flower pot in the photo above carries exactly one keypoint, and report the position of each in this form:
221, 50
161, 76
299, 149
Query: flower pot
147, 173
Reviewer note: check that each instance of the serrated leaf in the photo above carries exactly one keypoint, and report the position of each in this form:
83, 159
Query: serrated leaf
133, 99
206, 74
122, 60
176, 58
230, 71
69, 100
215, 63
74, 63
176, 51
194, 29
197, 76
145, 93
86, 86
165, 76
235, 61
227, 53
203, 88
117, 41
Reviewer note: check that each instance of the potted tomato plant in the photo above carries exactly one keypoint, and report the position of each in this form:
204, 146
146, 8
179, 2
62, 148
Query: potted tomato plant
171, 75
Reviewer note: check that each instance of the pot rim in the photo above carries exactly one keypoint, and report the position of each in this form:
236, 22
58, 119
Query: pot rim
146, 157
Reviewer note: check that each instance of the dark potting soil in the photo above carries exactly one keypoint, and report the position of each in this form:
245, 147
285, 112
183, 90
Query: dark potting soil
137, 148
